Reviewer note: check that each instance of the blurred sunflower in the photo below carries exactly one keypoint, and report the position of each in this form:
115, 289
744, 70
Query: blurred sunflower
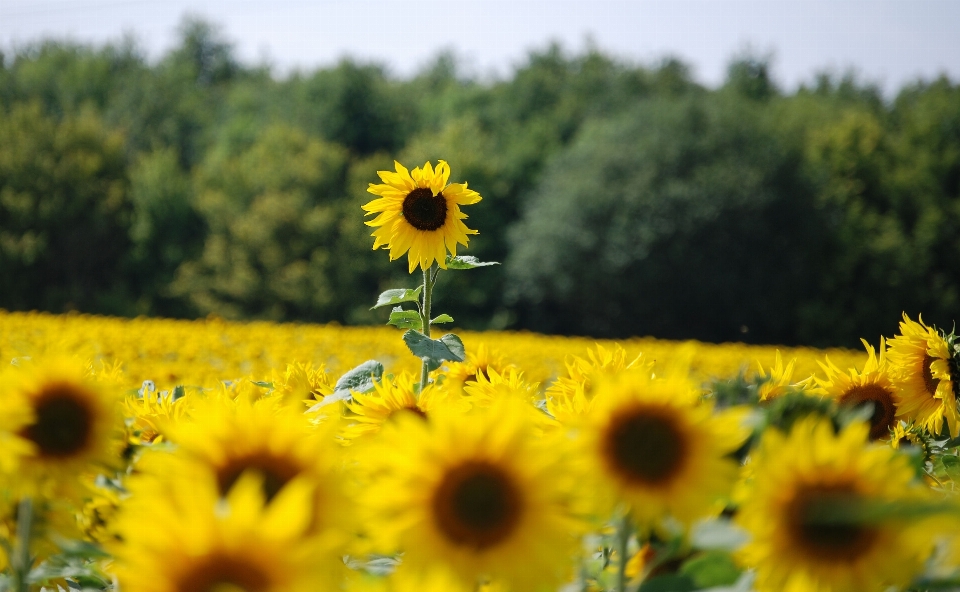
920, 372
419, 212
569, 396
478, 363
493, 386
302, 384
477, 494
179, 535
778, 380
368, 412
869, 386
62, 425
811, 470
228, 439
652, 444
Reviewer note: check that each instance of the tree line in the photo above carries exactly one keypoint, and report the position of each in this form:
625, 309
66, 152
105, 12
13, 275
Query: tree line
622, 199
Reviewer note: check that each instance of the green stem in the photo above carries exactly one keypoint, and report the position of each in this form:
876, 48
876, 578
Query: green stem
21, 562
623, 537
429, 279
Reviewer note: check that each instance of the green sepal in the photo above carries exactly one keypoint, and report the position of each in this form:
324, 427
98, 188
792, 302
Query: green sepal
444, 318
405, 319
467, 262
434, 351
397, 296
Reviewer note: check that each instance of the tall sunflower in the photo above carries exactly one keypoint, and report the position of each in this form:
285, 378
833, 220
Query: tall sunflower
419, 212
920, 372
869, 386
179, 535
812, 469
64, 425
652, 444
478, 494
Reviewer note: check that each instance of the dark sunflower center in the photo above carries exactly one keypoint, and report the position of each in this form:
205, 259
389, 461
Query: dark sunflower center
64, 422
424, 210
645, 446
477, 505
884, 414
814, 526
929, 381
222, 573
276, 472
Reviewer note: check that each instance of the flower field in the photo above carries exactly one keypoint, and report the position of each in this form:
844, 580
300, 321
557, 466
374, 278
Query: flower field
153, 455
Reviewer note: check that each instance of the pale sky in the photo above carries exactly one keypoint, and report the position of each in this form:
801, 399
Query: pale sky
889, 42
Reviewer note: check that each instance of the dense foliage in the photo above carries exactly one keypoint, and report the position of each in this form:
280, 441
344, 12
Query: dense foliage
622, 199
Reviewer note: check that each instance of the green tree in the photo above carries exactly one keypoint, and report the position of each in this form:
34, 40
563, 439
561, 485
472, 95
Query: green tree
64, 212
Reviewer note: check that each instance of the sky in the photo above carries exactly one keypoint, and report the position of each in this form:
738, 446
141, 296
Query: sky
886, 42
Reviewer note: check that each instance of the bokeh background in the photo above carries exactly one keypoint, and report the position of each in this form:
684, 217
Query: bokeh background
721, 170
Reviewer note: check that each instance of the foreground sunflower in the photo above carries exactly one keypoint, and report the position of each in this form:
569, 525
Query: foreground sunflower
65, 425
181, 536
920, 371
799, 474
477, 494
868, 386
419, 212
651, 444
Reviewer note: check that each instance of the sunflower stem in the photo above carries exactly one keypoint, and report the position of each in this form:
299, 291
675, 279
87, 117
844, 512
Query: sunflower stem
429, 279
623, 538
21, 562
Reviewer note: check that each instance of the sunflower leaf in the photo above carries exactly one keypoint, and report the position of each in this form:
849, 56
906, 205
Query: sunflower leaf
710, 569
467, 262
405, 319
444, 318
396, 296
434, 351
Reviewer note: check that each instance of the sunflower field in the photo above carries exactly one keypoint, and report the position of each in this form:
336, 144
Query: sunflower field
154, 455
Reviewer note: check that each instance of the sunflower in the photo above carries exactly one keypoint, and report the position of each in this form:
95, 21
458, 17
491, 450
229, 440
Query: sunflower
494, 386
368, 412
569, 396
227, 439
303, 384
477, 364
778, 380
179, 535
478, 494
653, 445
63, 425
804, 472
920, 372
419, 212
869, 386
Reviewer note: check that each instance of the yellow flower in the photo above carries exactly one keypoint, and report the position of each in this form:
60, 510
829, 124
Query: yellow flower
303, 384
63, 426
920, 372
368, 412
178, 535
478, 494
419, 212
651, 444
804, 472
869, 386
569, 396
151, 414
458, 374
493, 386
778, 380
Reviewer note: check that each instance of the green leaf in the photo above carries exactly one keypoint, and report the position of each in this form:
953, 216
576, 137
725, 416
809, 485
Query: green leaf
178, 392
435, 351
951, 465
467, 262
262, 384
444, 318
668, 583
405, 319
397, 296
713, 568
359, 379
